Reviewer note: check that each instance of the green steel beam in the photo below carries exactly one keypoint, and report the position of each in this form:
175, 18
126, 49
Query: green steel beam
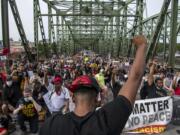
72, 7
36, 35
58, 33
158, 28
117, 12
141, 11
156, 16
165, 40
41, 27
124, 30
51, 32
109, 10
119, 34
85, 25
49, 22
137, 19
5, 29
173, 35
20, 28
54, 7
108, 15
5, 23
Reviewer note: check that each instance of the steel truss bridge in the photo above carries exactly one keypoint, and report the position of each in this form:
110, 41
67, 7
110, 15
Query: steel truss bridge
104, 26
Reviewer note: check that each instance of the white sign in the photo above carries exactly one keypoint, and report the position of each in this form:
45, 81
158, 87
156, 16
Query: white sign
150, 115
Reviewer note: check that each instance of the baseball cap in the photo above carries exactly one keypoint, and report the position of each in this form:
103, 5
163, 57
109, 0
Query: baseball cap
85, 81
57, 80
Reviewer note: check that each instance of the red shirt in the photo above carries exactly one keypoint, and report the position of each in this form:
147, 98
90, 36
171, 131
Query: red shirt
177, 91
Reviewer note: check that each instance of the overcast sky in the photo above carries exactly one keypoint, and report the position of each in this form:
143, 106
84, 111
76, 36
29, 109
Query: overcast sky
25, 8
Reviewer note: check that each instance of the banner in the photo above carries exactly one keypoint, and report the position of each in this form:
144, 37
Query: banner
150, 116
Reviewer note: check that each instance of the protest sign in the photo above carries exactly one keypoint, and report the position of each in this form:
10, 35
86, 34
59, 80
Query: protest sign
150, 116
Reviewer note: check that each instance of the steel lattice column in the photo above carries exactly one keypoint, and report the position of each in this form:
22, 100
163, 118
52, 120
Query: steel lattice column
165, 39
137, 20
152, 44
36, 36
20, 28
5, 23
124, 29
141, 9
5, 27
41, 27
57, 33
49, 22
119, 35
173, 33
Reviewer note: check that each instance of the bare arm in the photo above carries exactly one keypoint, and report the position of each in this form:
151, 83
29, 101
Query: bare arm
46, 83
150, 76
26, 83
113, 78
66, 106
130, 88
16, 111
36, 105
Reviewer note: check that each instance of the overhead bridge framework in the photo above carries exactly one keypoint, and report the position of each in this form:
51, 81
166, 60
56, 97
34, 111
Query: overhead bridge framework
104, 26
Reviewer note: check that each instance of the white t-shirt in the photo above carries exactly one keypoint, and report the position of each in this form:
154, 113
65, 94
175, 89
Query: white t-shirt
50, 87
59, 100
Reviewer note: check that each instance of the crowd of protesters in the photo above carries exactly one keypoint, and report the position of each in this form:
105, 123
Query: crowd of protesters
35, 91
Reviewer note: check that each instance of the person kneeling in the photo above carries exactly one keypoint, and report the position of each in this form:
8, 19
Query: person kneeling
27, 110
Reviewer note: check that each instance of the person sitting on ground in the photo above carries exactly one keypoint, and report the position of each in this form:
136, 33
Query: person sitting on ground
108, 120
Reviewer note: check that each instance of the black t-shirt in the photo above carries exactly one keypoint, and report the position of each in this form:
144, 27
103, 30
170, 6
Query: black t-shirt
28, 110
109, 120
12, 94
4, 122
42, 91
116, 88
154, 92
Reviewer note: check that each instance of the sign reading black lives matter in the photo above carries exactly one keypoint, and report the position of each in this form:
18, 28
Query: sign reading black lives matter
150, 116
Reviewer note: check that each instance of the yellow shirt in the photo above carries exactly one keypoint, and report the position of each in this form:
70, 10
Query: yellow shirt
100, 78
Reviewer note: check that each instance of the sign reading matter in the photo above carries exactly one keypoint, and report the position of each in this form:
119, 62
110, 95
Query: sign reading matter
150, 116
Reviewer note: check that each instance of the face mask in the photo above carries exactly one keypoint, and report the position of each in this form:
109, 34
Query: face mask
26, 99
9, 83
125, 76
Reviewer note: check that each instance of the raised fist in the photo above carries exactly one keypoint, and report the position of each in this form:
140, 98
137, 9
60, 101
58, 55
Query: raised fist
139, 40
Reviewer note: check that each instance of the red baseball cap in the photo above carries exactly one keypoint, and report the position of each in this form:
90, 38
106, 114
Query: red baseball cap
57, 80
85, 81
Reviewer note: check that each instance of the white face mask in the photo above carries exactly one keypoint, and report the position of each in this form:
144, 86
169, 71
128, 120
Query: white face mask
26, 99
125, 76
9, 83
